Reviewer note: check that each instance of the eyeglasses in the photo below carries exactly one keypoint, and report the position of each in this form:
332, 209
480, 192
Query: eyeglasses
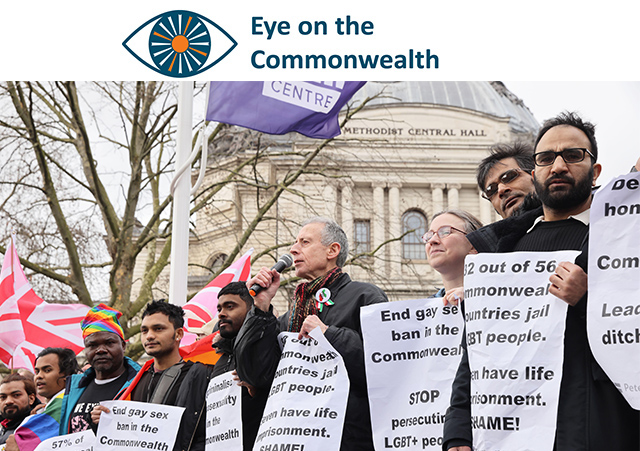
442, 232
505, 179
572, 155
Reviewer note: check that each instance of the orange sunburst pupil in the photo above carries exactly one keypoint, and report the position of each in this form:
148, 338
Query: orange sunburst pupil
180, 44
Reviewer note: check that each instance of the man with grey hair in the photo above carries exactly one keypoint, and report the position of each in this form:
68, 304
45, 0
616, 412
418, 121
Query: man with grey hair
319, 252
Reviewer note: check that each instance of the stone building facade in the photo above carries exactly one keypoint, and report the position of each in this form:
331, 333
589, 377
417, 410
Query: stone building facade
410, 152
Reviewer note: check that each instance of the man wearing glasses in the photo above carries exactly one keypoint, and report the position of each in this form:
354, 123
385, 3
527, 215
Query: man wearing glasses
592, 414
504, 177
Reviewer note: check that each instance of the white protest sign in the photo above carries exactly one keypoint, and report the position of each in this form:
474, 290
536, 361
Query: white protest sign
137, 425
515, 338
224, 414
308, 397
412, 352
79, 441
613, 310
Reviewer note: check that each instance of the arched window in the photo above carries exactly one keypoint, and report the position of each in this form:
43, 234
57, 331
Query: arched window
216, 263
415, 223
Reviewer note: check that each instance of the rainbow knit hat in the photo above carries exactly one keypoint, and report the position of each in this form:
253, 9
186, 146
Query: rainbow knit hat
102, 318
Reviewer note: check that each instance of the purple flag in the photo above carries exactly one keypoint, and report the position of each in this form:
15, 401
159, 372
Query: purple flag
278, 107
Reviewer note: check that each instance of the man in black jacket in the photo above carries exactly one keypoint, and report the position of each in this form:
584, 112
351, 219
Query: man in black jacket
167, 379
234, 301
319, 252
592, 414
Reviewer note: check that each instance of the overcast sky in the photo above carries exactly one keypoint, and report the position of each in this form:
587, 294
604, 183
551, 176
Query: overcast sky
614, 107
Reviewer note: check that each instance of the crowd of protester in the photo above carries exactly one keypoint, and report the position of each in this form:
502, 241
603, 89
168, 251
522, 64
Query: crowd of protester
543, 192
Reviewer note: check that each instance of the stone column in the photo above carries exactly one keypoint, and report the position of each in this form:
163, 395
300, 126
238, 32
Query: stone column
453, 197
378, 218
395, 229
347, 212
330, 198
485, 209
437, 199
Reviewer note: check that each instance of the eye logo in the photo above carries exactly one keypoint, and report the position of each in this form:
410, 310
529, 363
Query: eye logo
179, 44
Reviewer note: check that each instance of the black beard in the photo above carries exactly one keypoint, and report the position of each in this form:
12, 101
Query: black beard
228, 334
565, 200
18, 414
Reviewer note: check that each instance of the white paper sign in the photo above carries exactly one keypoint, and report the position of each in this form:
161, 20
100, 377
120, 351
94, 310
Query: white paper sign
224, 414
308, 398
412, 352
515, 338
137, 425
613, 310
79, 441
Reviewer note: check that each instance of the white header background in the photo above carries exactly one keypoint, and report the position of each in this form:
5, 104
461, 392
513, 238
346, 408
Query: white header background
475, 40
546, 41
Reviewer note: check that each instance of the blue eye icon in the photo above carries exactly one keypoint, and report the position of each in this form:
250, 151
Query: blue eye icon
179, 44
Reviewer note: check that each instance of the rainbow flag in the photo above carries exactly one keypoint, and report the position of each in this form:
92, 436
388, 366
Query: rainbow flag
41, 426
201, 351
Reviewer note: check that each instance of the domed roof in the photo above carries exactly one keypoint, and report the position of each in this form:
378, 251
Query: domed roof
487, 97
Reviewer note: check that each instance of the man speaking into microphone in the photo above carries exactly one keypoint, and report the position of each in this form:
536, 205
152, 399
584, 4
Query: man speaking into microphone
330, 300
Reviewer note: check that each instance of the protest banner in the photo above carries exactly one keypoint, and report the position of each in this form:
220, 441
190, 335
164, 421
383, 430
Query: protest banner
137, 425
613, 311
79, 441
515, 338
412, 352
308, 397
224, 414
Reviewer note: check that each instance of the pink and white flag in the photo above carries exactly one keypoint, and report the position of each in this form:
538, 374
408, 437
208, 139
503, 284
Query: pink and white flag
203, 307
29, 324
13, 286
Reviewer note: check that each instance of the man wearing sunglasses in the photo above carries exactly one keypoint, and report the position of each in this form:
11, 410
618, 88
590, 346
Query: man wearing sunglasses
592, 414
504, 177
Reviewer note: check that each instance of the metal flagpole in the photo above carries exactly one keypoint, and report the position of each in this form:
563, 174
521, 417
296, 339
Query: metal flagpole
181, 198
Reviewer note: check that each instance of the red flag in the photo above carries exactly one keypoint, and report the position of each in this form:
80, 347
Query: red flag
28, 324
203, 307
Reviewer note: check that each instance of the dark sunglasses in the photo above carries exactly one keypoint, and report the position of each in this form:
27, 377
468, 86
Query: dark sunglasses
506, 178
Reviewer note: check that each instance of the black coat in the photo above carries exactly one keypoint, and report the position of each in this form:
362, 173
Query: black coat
258, 352
592, 414
252, 406
191, 396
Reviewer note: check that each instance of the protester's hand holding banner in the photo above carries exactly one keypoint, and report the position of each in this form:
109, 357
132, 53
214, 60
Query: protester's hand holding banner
137, 425
515, 339
613, 311
224, 414
308, 398
80, 441
412, 351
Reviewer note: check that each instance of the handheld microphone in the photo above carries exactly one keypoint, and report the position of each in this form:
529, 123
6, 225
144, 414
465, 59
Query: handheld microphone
283, 263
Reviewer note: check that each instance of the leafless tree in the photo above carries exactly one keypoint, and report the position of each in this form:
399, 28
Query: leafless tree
83, 184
